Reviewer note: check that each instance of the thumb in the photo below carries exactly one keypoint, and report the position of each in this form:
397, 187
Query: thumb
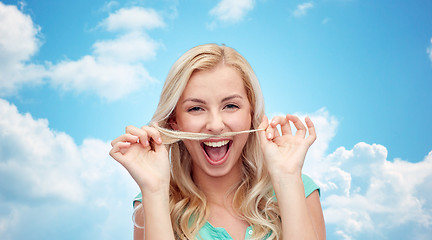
158, 145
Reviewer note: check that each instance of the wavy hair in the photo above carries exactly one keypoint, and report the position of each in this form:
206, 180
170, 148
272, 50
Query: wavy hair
254, 199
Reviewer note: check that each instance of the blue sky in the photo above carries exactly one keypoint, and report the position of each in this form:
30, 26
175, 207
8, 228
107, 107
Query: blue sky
73, 74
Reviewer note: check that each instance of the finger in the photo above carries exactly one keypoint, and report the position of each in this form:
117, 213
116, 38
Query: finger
153, 133
142, 135
159, 147
125, 138
274, 124
301, 129
263, 125
270, 132
311, 128
116, 150
284, 124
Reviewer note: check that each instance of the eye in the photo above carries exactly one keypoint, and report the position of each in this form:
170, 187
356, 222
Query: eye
231, 106
194, 109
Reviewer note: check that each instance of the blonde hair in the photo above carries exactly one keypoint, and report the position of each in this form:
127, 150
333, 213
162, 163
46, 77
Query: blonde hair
253, 196
170, 136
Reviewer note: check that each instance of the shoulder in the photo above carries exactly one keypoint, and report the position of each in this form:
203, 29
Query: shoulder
309, 185
138, 198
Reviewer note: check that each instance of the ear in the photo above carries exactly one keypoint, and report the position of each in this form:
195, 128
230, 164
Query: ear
173, 123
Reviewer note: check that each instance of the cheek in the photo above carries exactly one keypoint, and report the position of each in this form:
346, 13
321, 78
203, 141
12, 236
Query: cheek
241, 122
190, 124
187, 123
189, 145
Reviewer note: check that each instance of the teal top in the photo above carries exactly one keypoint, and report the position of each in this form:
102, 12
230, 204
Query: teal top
208, 232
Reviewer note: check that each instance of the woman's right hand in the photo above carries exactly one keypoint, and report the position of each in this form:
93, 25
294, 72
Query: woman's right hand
141, 152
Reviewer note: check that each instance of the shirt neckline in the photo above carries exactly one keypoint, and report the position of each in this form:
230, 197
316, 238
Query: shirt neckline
221, 230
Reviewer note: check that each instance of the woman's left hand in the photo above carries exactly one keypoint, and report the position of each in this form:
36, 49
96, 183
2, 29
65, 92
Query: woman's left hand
285, 154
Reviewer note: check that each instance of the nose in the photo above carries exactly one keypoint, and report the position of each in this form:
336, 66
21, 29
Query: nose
215, 123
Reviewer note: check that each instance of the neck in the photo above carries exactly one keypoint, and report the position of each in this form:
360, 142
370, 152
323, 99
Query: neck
218, 190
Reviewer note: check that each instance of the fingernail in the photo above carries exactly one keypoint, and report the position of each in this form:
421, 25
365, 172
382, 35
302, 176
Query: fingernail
159, 140
269, 135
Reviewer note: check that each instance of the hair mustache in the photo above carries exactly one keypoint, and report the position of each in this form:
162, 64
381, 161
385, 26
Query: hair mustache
170, 136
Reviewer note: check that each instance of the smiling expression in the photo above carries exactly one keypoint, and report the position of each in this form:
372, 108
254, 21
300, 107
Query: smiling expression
214, 101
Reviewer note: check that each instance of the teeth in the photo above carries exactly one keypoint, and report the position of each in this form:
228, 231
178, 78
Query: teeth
216, 144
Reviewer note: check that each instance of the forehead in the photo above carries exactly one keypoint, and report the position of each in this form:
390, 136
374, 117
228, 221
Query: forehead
220, 80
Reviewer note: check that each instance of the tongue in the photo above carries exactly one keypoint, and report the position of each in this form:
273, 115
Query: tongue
216, 153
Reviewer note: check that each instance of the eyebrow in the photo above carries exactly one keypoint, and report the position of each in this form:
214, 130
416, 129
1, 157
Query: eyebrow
197, 100
232, 97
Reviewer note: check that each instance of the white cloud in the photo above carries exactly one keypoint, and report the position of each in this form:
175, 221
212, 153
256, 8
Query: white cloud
113, 70
19, 41
46, 178
19, 35
109, 6
429, 50
365, 192
45, 162
365, 195
110, 80
128, 48
115, 67
302, 9
232, 11
133, 19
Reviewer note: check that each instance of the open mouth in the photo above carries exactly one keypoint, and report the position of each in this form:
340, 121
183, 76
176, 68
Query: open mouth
216, 151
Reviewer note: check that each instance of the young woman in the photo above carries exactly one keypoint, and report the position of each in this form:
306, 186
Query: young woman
228, 186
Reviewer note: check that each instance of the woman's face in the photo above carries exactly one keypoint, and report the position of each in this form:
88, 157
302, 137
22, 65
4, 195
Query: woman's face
214, 101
